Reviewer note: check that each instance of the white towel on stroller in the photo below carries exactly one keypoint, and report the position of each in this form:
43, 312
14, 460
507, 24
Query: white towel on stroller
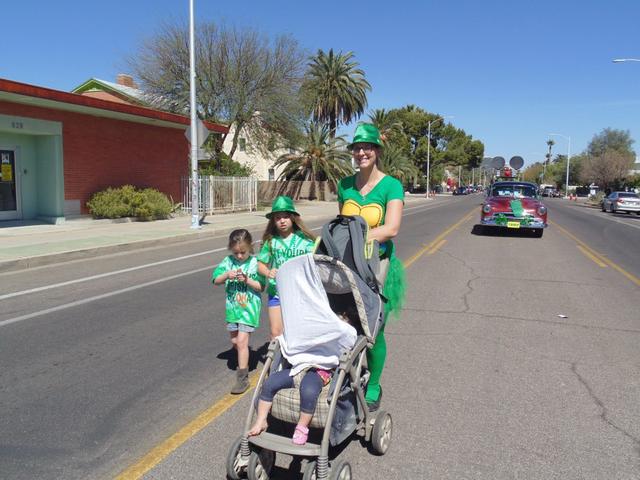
314, 336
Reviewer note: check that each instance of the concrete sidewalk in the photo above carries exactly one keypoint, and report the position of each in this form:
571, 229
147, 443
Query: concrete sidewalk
31, 244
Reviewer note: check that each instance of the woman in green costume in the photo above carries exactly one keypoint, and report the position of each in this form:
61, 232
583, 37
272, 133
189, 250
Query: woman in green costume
379, 199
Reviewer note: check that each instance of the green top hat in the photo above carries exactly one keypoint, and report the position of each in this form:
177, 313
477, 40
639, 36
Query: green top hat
282, 204
366, 133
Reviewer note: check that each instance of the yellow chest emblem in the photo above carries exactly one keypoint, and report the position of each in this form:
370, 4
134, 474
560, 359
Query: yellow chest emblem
372, 212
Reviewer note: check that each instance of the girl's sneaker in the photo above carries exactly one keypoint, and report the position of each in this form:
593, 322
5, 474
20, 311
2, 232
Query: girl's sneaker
300, 435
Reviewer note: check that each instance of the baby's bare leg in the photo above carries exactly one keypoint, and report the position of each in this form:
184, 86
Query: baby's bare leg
260, 425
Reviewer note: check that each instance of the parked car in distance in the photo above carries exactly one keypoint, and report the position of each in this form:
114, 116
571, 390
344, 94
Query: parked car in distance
460, 191
550, 192
615, 202
514, 205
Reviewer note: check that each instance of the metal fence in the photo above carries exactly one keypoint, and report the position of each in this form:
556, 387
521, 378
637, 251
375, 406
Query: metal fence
221, 194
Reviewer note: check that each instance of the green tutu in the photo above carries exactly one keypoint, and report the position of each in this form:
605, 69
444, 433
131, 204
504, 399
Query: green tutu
395, 288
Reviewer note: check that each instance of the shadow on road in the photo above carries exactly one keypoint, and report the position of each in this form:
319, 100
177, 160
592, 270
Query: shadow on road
484, 231
255, 357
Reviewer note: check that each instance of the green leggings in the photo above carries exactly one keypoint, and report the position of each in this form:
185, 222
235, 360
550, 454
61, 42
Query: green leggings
375, 359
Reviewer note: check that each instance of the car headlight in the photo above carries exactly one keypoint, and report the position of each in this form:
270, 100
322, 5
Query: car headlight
486, 208
542, 210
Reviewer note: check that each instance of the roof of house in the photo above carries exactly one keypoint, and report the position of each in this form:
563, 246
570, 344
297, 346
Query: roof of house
23, 93
133, 94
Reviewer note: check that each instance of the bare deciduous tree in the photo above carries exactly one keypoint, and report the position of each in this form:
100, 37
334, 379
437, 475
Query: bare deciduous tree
607, 169
243, 78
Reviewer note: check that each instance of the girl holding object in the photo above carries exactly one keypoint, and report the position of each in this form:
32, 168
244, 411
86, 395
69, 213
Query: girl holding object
243, 284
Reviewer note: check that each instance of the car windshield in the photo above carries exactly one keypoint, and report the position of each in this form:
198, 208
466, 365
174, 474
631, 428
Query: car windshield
515, 191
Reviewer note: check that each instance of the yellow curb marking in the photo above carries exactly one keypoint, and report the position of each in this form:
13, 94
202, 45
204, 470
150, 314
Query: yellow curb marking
436, 247
160, 452
602, 258
590, 255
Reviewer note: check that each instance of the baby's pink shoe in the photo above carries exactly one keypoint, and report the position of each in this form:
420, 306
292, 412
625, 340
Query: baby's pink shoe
300, 435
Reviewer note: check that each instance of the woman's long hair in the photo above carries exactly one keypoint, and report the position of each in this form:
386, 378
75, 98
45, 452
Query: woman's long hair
298, 225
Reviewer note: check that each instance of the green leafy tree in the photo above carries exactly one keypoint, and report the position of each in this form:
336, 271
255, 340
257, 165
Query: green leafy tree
394, 162
335, 89
385, 122
320, 157
611, 139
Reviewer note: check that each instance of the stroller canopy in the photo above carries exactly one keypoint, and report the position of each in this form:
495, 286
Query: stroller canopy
314, 336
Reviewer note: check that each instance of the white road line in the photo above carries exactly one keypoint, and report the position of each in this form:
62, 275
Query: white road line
606, 216
98, 297
141, 267
108, 274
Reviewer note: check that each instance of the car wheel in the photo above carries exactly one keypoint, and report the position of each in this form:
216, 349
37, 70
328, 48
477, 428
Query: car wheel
538, 233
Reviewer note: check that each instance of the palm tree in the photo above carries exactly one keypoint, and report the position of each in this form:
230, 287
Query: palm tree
385, 123
335, 88
321, 157
394, 162
550, 143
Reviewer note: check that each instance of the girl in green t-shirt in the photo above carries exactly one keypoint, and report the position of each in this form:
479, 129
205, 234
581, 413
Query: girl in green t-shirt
284, 238
243, 284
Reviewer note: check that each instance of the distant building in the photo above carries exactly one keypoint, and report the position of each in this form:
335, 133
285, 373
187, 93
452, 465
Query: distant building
58, 148
125, 90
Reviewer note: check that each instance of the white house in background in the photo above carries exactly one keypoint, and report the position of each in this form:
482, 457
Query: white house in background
246, 154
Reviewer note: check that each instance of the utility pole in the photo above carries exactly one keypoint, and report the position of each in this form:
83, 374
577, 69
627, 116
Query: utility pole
195, 191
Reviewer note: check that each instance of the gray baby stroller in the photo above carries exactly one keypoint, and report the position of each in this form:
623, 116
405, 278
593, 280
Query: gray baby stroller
313, 286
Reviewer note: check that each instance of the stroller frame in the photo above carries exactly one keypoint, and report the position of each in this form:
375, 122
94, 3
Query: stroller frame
255, 455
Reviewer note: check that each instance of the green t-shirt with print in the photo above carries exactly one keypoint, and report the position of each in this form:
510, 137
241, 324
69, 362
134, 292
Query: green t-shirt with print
243, 303
278, 250
372, 206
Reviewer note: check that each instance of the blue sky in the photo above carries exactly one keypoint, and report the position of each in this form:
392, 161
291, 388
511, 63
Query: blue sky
510, 72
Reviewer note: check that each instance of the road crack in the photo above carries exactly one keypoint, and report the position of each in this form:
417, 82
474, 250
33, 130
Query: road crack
604, 413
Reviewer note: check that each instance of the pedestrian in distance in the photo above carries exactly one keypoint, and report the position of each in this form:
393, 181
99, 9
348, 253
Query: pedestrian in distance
243, 285
285, 237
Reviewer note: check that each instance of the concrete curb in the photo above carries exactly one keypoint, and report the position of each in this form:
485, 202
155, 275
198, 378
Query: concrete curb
127, 246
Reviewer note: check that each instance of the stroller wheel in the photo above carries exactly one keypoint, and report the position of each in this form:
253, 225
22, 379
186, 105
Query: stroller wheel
236, 464
310, 471
381, 434
340, 471
260, 464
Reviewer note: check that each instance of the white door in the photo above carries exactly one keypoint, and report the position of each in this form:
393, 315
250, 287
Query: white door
9, 185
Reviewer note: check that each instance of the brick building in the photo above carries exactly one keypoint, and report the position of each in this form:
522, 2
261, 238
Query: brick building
58, 148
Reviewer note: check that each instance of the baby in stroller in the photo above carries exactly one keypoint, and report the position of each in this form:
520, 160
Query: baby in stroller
311, 384
326, 356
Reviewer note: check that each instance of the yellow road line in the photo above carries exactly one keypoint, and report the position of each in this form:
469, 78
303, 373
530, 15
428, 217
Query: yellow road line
429, 246
160, 452
590, 255
602, 258
436, 247
164, 449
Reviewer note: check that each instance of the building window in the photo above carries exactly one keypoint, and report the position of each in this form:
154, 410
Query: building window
242, 143
272, 174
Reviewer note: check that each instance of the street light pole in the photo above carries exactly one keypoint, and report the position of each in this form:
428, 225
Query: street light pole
195, 210
568, 139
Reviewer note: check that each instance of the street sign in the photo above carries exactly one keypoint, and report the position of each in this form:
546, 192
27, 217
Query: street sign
201, 131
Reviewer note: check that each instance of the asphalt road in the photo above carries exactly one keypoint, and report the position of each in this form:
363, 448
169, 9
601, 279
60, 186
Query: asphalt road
515, 357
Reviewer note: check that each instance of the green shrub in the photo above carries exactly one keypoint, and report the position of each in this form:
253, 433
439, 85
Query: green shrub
127, 201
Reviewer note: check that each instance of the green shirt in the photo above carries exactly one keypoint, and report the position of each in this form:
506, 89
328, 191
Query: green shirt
278, 250
372, 206
243, 303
